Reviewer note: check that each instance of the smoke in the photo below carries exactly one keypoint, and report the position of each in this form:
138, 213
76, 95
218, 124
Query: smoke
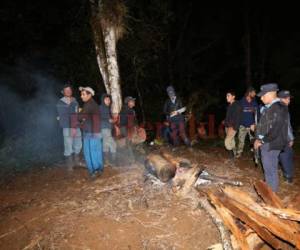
29, 130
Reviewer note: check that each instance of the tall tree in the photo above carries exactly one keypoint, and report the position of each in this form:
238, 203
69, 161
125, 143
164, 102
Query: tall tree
107, 21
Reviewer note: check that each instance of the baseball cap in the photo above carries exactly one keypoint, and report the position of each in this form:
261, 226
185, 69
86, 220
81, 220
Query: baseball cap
269, 87
89, 89
284, 94
128, 99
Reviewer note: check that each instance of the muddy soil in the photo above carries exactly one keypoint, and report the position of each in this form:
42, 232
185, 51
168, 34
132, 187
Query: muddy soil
50, 208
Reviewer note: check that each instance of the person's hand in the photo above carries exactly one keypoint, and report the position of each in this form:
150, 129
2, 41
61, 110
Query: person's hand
291, 144
257, 144
231, 131
174, 113
252, 127
57, 118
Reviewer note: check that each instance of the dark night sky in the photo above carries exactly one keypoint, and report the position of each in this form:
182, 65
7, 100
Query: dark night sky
191, 45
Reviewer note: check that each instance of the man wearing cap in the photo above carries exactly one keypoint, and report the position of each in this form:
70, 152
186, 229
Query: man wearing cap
286, 155
173, 110
249, 110
92, 142
272, 132
67, 109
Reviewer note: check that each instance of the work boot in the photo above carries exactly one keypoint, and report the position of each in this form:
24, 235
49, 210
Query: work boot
113, 159
76, 160
187, 142
106, 158
231, 154
288, 180
69, 163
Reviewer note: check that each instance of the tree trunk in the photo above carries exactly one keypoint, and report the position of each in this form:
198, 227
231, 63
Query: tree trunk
105, 39
114, 88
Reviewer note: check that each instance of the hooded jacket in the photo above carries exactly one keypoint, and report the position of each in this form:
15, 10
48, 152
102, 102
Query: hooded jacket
67, 112
105, 113
173, 103
273, 125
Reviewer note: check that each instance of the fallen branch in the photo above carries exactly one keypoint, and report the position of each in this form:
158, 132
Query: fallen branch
33, 243
116, 187
26, 223
224, 233
284, 213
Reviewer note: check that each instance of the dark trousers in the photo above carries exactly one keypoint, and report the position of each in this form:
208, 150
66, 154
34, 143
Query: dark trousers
286, 160
269, 160
178, 130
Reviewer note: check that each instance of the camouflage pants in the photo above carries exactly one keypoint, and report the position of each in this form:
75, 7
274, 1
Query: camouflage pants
230, 139
243, 132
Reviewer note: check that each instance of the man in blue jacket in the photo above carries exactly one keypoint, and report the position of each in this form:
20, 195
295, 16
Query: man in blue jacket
247, 123
287, 154
67, 109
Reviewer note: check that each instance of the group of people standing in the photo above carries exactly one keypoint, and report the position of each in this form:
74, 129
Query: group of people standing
268, 126
93, 125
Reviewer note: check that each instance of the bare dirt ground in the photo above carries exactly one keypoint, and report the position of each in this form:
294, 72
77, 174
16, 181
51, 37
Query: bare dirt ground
52, 209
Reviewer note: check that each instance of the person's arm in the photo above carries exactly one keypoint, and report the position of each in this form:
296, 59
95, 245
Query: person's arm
237, 116
166, 108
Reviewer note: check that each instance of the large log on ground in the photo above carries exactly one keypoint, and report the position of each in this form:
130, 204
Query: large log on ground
176, 161
241, 212
268, 196
284, 213
245, 203
271, 199
160, 167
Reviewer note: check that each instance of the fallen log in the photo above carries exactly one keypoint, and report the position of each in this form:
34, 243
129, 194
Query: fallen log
176, 161
185, 179
160, 167
225, 236
231, 224
271, 199
268, 196
262, 217
242, 212
284, 213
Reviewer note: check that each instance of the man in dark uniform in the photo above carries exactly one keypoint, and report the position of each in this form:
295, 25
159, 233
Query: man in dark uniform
272, 132
286, 156
173, 110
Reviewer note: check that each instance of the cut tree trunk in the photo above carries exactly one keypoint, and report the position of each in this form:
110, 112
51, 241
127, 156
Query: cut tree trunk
160, 167
242, 212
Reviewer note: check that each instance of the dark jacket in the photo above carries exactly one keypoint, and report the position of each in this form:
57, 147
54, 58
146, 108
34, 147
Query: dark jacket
170, 107
67, 113
273, 126
248, 112
89, 117
233, 115
105, 113
127, 117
